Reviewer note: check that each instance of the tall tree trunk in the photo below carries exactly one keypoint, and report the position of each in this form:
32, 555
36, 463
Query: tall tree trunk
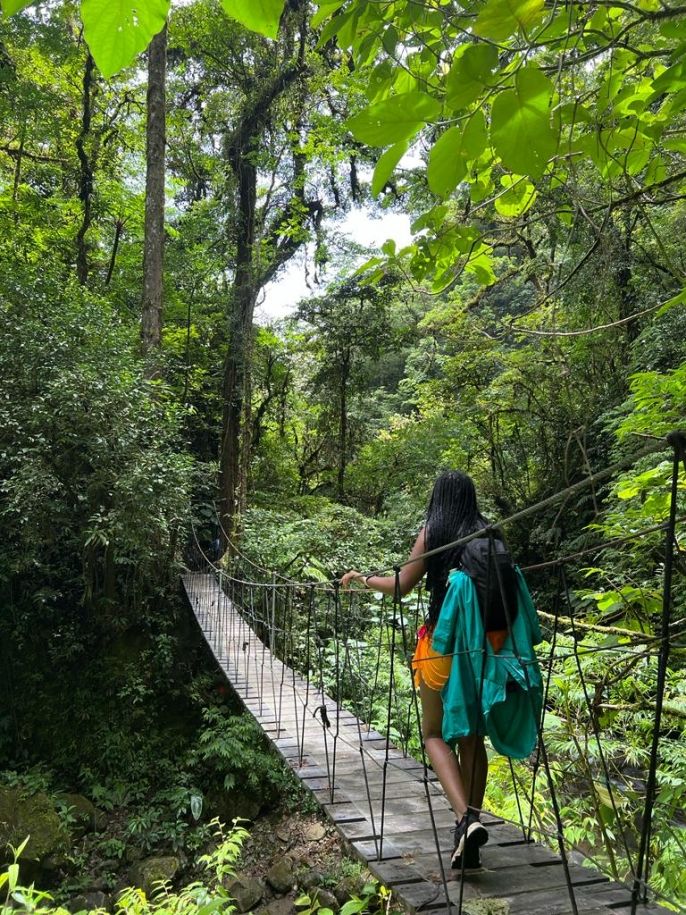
624, 277
17, 173
153, 250
236, 390
86, 173
343, 426
253, 269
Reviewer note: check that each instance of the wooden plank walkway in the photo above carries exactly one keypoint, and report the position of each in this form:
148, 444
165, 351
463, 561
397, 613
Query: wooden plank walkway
387, 821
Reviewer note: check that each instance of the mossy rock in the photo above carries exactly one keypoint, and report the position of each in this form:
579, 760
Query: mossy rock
150, 872
281, 876
228, 805
82, 813
246, 891
33, 816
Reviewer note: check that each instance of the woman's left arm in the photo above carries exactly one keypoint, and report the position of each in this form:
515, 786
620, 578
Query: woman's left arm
410, 573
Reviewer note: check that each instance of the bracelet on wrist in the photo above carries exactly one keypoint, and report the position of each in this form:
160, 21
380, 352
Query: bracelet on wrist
366, 580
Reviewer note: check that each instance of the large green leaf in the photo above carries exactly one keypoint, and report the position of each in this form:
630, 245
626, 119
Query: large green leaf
452, 152
385, 166
394, 119
520, 124
679, 299
326, 8
447, 167
117, 30
501, 18
470, 74
518, 198
261, 16
10, 7
672, 78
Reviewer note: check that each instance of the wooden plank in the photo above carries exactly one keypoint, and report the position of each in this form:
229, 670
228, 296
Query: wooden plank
648, 909
375, 851
423, 838
424, 896
393, 873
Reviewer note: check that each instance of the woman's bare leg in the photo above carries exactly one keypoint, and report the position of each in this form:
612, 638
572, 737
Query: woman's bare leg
458, 779
443, 759
473, 769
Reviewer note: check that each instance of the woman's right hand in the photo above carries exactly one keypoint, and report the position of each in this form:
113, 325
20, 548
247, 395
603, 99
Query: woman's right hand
350, 577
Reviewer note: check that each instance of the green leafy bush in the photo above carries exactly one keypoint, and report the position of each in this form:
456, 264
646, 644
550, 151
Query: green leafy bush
208, 897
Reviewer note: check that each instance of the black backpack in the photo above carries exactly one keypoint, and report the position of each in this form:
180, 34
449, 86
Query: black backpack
489, 565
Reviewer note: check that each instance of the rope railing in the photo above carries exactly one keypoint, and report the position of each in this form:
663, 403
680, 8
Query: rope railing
309, 651
653, 448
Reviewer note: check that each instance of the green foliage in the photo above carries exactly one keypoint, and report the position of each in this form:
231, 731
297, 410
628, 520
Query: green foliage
520, 124
451, 155
657, 404
9, 7
92, 495
547, 85
208, 898
374, 898
116, 32
331, 536
231, 751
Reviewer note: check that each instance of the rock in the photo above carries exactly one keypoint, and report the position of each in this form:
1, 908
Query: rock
283, 906
81, 812
227, 805
132, 854
310, 879
281, 876
327, 899
346, 888
247, 891
55, 862
100, 883
88, 901
315, 832
33, 816
148, 873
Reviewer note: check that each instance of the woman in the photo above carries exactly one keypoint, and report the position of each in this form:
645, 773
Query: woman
452, 514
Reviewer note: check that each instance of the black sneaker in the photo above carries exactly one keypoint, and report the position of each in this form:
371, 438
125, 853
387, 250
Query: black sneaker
470, 835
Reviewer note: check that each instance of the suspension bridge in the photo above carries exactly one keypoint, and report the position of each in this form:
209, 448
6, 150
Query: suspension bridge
326, 674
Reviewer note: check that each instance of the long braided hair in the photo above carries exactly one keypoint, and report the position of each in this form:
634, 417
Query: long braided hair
452, 513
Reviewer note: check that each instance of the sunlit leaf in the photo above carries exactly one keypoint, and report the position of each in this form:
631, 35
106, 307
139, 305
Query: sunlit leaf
386, 165
452, 151
394, 119
470, 74
262, 16
518, 198
10, 7
325, 10
501, 18
679, 299
520, 124
117, 30
446, 166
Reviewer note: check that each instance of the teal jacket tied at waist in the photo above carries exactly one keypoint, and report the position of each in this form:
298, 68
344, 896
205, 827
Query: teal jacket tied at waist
511, 698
